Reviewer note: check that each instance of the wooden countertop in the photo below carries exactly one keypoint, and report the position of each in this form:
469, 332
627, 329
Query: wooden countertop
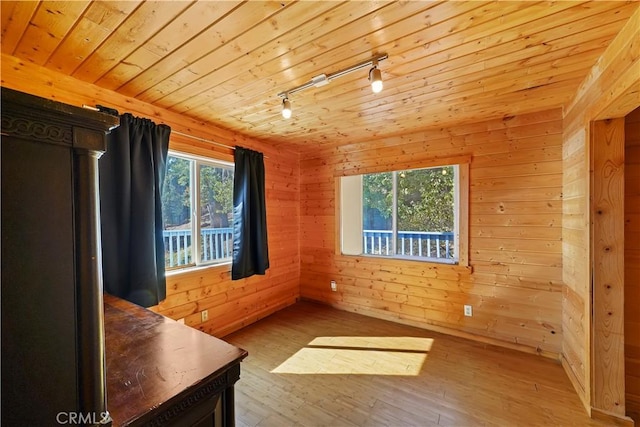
153, 362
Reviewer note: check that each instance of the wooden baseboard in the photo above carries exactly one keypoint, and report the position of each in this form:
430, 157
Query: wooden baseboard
611, 419
448, 331
577, 385
253, 317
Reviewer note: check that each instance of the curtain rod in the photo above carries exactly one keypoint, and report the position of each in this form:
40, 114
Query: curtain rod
202, 139
208, 141
113, 111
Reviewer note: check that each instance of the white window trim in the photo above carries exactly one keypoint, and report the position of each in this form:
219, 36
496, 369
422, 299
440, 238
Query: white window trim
351, 227
196, 210
462, 203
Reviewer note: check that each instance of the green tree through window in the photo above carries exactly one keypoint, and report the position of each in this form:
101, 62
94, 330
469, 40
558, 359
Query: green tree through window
176, 198
425, 199
410, 213
213, 230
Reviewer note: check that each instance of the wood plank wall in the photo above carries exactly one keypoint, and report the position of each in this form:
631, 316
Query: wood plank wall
607, 258
632, 263
610, 90
575, 249
515, 232
231, 304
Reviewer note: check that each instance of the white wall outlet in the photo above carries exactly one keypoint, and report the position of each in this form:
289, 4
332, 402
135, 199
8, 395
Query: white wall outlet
334, 286
205, 315
468, 310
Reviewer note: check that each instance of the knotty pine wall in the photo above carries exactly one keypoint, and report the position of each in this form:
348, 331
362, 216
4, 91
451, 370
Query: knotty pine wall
576, 277
231, 304
515, 228
632, 262
234, 304
610, 90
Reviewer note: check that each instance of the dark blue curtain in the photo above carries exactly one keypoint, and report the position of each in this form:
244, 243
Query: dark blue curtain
250, 249
131, 177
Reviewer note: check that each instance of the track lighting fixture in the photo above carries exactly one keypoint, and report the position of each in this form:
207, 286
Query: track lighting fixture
375, 77
286, 108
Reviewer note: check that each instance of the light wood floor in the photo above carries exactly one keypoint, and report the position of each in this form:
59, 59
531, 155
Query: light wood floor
312, 365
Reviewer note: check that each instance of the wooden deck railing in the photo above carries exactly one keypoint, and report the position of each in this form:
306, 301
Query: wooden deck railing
215, 244
424, 244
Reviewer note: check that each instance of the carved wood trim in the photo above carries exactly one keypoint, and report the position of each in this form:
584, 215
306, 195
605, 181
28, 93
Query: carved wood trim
214, 388
34, 129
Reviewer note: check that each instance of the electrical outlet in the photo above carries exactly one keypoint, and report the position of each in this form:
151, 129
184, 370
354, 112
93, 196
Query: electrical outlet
205, 315
334, 286
468, 310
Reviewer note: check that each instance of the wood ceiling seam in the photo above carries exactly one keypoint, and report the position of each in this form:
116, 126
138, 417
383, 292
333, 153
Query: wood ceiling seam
145, 21
163, 68
11, 37
204, 64
214, 36
47, 28
81, 42
188, 24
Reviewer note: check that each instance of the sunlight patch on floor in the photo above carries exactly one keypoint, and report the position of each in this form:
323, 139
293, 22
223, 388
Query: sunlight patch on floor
359, 356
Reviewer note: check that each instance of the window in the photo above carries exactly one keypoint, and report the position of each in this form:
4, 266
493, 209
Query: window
412, 214
198, 225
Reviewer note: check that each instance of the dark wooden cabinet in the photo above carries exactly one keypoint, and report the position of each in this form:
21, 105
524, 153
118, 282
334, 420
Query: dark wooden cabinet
56, 366
52, 323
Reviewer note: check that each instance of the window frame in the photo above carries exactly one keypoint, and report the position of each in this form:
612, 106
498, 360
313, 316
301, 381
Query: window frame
196, 209
461, 214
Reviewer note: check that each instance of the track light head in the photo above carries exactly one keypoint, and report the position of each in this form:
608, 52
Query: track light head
286, 108
375, 76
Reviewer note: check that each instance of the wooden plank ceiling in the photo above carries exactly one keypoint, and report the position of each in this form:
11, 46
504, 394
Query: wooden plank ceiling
226, 61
